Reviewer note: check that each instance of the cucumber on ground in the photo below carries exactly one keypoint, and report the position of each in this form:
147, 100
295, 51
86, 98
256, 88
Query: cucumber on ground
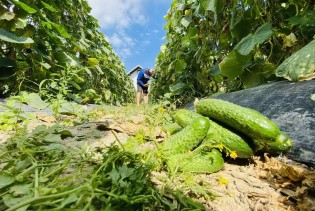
280, 146
217, 134
245, 120
201, 161
186, 139
171, 128
183, 117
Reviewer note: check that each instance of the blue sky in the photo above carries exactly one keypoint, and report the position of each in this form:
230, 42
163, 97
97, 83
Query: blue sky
133, 27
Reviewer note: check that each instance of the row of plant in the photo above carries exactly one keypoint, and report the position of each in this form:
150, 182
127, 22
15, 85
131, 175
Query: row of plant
55, 48
221, 46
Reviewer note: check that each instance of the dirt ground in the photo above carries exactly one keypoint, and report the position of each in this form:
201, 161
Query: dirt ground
261, 183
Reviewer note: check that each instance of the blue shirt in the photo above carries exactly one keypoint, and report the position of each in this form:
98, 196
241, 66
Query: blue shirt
143, 77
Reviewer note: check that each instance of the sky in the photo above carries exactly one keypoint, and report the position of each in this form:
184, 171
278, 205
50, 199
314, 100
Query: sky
135, 28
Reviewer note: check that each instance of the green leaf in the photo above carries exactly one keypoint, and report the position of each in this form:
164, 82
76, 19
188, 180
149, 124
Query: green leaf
5, 180
21, 23
107, 95
88, 71
216, 6
75, 85
114, 175
64, 58
46, 24
263, 33
180, 65
34, 100
233, 64
68, 200
251, 79
65, 133
21, 190
25, 7
52, 138
47, 6
177, 88
46, 65
7, 16
163, 49
185, 21
10, 201
125, 172
247, 44
10, 37
300, 65
99, 69
68, 108
61, 30
298, 20
186, 42
92, 62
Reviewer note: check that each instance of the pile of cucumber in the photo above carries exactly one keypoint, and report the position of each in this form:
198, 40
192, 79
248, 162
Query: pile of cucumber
219, 127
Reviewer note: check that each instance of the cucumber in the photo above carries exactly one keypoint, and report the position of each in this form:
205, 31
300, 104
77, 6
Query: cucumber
200, 162
186, 139
245, 120
171, 128
183, 117
217, 134
282, 145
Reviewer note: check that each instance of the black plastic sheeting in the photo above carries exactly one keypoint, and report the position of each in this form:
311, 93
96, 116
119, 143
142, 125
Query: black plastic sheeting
290, 106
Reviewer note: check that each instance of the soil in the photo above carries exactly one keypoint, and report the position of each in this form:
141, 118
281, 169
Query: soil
260, 183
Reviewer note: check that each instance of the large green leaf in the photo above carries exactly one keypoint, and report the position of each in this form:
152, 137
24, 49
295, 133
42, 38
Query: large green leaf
233, 64
300, 65
25, 7
10, 37
216, 6
34, 101
49, 7
263, 33
246, 45
61, 30
64, 58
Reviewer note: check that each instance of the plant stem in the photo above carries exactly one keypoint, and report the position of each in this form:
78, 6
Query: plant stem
118, 140
39, 198
35, 165
36, 183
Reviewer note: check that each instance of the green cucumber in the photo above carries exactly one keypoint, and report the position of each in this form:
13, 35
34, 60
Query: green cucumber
280, 146
171, 128
200, 162
183, 117
186, 139
217, 134
245, 120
